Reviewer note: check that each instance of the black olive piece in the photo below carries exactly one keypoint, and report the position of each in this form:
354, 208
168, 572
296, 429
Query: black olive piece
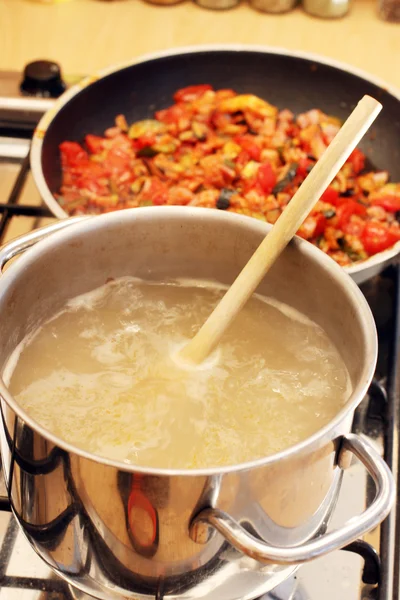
397, 215
348, 193
329, 213
310, 157
224, 200
147, 152
283, 183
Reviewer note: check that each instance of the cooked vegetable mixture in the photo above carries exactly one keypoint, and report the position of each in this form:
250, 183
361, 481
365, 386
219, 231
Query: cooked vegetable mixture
234, 152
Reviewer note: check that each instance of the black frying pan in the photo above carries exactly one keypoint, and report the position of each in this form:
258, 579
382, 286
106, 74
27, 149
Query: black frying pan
288, 80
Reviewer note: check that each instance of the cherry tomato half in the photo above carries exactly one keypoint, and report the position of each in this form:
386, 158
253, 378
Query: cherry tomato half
191, 93
355, 227
391, 202
346, 210
376, 237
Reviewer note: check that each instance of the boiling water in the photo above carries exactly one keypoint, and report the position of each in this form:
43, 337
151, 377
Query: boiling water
100, 375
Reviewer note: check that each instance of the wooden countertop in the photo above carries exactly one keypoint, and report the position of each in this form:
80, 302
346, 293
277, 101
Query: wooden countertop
87, 35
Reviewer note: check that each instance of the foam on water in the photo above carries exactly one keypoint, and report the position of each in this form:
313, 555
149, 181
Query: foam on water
101, 374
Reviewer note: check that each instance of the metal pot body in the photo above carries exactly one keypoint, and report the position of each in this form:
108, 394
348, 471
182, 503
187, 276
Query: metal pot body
227, 534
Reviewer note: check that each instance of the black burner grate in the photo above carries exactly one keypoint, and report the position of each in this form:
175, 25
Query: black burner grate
10, 208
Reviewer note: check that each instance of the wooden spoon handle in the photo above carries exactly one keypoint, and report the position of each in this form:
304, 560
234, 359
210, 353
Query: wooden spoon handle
284, 229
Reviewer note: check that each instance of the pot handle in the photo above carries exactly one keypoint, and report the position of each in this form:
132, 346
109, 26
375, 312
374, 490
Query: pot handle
23, 242
259, 550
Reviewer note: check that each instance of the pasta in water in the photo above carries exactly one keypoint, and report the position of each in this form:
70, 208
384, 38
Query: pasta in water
100, 376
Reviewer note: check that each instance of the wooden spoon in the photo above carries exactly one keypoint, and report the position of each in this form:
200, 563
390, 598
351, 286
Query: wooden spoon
334, 157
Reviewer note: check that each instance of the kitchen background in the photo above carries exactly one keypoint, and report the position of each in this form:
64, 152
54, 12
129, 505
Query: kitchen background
87, 35
83, 36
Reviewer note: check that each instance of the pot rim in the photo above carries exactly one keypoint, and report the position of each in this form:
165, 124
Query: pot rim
40, 131
311, 252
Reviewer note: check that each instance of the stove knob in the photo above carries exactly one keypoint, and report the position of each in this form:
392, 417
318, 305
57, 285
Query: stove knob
42, 78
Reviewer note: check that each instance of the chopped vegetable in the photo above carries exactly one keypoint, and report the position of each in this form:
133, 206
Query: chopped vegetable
148, 151
224, 200
236, 152
287, 179
330, 196
391, 203
377, 237
191, 93
266, 177
140, 128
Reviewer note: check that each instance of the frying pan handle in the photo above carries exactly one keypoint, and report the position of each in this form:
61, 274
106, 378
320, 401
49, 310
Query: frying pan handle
243, 541
22, 243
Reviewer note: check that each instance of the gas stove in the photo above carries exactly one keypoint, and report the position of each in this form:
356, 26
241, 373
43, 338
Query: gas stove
366, 570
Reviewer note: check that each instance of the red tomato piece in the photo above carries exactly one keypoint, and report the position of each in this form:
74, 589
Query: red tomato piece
320, 224
94, 143
248, 144
157, 192
148, 139
394, 231
242, 159
220, 120
225, 93
330, 195
73, 154
266, 178
172, 114
304, 164
376, 237
94, 186
293, 130
116, 161
391, 202
251, 184
346, 210
191, 93
93, 177
354, 227
313, 226
357, 160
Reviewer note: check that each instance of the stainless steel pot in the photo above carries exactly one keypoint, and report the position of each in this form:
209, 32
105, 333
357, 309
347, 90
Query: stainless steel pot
120, 532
